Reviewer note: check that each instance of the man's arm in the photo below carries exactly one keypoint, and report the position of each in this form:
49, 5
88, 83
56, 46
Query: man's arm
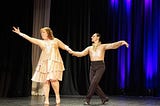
116, 45
80, 54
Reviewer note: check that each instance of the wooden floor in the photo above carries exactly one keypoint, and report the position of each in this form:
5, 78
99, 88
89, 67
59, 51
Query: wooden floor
78, 101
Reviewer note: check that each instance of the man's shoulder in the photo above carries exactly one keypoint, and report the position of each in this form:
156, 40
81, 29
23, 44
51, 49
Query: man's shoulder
89, 47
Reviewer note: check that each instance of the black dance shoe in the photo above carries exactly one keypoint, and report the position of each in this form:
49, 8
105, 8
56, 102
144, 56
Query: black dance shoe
105, 100
86, 102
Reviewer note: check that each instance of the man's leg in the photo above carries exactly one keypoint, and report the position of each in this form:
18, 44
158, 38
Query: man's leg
95, 77
101, 94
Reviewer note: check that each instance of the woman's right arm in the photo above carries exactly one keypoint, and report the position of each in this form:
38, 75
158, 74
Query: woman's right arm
30, 39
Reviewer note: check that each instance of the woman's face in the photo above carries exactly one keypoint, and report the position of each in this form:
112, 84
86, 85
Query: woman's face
44, 34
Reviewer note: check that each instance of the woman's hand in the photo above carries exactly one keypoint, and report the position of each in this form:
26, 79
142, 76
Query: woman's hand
16, 30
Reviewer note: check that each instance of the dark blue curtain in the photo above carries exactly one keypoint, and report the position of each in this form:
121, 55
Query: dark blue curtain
132, 71
137, 21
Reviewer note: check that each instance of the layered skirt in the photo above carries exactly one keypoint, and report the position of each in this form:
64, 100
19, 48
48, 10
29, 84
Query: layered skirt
48, 70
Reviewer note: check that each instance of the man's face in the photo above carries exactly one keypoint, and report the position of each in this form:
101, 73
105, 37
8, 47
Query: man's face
94, 38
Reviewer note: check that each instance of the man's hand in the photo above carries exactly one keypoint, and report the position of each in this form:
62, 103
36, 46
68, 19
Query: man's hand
125, 43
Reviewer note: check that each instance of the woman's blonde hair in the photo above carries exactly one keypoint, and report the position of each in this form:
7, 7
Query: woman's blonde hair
49, 32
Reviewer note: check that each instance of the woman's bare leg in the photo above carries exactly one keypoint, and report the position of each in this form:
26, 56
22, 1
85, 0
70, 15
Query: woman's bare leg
46, 92
55, 86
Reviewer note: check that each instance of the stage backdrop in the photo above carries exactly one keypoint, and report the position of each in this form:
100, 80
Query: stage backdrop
134, 71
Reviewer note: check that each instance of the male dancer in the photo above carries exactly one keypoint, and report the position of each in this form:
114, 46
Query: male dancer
96, 53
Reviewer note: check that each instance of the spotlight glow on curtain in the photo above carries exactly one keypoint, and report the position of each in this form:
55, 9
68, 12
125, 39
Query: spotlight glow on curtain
128, 5
123, 53
114, 3
151, 46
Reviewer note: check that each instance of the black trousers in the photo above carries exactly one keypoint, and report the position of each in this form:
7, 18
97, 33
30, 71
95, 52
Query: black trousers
97, 69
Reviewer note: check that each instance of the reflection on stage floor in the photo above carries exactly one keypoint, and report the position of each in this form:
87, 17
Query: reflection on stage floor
78, 101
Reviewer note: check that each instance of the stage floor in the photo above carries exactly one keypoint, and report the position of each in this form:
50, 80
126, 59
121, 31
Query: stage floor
78, 101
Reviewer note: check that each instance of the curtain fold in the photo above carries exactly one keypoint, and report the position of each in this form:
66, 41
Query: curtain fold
41, 18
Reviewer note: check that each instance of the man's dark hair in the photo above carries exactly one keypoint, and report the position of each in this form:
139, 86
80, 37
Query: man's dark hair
99, 35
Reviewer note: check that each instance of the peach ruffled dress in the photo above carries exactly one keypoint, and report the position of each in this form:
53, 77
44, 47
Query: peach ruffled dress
50, 65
